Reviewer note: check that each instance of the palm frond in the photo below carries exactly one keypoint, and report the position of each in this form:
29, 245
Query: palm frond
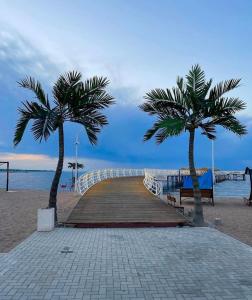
225, 106
94, 84
208, 129
43, 121
195, 80
232, 124
92, 132
35, 86
87, 105
165, 128
92, 121
43, 126
160, 95
65, 86
21, 126
223, 87
100, 100
164, 102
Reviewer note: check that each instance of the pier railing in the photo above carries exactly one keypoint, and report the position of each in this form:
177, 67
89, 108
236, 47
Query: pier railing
153, 178
89, 179
151, 183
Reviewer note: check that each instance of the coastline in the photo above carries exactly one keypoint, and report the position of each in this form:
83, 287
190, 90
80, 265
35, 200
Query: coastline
18, 211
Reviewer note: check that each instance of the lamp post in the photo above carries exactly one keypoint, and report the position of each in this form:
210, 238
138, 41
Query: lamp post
213, 162
76, 163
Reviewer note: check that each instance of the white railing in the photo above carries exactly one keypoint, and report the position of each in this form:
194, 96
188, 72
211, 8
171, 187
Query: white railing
89, 179
152, 177
151, 183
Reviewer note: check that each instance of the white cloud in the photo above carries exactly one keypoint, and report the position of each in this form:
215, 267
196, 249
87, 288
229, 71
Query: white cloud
24, 58
21, 57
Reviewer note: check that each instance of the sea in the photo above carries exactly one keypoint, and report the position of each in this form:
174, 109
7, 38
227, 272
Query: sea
38, 180
42, 181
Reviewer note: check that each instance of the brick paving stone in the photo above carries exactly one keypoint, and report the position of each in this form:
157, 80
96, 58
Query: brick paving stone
146, 263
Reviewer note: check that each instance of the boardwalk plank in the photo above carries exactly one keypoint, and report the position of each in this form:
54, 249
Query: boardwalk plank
122, 202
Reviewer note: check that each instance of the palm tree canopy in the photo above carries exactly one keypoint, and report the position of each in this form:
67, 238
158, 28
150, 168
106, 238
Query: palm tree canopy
71, 165
73, 101
192, 104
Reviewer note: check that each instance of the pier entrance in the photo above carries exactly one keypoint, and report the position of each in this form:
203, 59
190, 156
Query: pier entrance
123, 202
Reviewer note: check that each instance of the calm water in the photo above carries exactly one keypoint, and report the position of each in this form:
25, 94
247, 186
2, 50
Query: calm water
42, 181
33, 180
231, 188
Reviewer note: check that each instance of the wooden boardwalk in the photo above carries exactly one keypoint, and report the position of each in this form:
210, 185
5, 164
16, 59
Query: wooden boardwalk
122, 202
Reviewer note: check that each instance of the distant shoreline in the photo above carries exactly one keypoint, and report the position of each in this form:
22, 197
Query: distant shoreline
24, 171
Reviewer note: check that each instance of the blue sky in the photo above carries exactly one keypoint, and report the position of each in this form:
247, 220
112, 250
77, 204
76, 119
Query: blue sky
138, 45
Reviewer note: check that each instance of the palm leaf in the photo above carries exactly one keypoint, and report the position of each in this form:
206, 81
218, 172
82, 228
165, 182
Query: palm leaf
165, 128
43, 121
208, 129
95, 84
224, 106
164, 101
223, 87
35, 86
64, 88
232, 124
195, 80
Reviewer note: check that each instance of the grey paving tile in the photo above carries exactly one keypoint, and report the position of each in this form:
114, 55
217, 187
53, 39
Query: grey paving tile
148, 263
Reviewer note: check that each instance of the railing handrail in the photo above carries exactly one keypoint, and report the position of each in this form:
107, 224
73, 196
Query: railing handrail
151, 177
87, 180
151, 183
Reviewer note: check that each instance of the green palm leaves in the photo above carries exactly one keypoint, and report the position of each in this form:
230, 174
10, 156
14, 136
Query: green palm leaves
74, 101
193, 104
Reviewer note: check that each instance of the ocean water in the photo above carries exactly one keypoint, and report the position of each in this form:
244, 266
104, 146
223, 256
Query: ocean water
42, 181
33, 180
228, 188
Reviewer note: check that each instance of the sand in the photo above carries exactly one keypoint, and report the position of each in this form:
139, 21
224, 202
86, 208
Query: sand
236, 217
18, 214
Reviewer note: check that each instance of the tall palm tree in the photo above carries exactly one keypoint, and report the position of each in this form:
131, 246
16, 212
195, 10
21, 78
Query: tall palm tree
189, 106
73, 101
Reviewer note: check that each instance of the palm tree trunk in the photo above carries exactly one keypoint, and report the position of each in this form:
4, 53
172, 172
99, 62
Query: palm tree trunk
57, 175
198, 218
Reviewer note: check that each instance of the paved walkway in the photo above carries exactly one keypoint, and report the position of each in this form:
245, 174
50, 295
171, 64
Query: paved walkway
146, 263
123, 202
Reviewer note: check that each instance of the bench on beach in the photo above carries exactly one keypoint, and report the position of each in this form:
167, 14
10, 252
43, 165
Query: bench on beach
188, 193
205, 185
172, 201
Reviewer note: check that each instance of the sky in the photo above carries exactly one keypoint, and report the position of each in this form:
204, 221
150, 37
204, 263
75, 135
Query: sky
138, 45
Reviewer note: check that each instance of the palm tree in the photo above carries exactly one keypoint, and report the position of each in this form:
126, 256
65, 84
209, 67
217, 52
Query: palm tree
189, 106
73, 101
72, 165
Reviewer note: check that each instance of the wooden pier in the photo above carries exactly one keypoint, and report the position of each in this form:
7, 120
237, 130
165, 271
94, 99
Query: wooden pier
123, 202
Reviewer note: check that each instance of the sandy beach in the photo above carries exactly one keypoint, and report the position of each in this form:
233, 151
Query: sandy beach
18, 215
235, 217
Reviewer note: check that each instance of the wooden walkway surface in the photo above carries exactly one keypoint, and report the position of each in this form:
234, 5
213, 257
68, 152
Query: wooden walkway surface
122, 202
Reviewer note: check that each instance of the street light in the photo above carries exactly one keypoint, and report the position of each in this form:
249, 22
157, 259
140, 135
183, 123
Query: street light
76, 163
213, 162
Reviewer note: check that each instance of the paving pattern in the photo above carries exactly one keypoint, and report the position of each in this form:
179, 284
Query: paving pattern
143, 263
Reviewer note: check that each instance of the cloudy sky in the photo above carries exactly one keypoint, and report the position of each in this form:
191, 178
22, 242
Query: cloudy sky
138, 45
